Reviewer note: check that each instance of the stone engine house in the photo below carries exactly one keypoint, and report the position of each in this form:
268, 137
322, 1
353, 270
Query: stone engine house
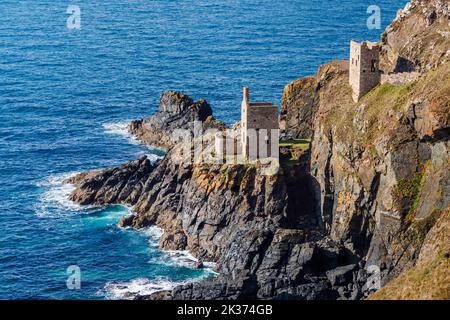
364, 68
259, 129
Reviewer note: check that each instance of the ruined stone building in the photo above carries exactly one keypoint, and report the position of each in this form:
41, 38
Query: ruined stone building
259, 133
364, 68
259, 129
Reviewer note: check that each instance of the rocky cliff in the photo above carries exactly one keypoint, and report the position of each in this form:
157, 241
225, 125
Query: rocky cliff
418, 39
381, 165
368, 202
260, 230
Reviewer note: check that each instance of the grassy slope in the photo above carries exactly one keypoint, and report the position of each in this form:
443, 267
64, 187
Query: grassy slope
435, 85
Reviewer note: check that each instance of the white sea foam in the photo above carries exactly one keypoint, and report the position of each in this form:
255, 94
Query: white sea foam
137, 287
150, 156
154, 234
179, 258
55, 200
120, 128
183, 258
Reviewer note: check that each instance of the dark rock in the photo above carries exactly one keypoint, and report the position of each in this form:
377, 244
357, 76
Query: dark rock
117, 185
356, 293
311, 291
431, 17
174, 102
341, 275
177, 111
342, 291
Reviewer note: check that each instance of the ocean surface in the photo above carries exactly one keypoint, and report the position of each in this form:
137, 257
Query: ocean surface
67, 95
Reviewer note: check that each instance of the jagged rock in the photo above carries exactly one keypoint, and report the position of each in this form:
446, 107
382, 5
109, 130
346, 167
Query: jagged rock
413, 42
341, 275
174, 102
117, 185
300, 101
311, 291
298, 108
177, 111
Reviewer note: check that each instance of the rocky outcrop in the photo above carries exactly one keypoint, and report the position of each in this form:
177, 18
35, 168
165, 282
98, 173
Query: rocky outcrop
298, 107
301, 99
177, 114
379, 164
117, 185
258, 229
418, 39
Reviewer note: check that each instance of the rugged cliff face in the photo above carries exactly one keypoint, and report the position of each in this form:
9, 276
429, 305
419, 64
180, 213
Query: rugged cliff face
260, 230
381, 165
298, 108
370, 197
429, 278
418, 39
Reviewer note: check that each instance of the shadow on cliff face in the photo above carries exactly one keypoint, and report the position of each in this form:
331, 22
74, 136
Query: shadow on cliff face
404, 65
301, 200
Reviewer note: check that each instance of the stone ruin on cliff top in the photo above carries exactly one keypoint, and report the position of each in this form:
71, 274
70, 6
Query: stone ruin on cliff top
259, 132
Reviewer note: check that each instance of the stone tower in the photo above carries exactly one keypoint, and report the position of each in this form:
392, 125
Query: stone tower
259, 129
364, 67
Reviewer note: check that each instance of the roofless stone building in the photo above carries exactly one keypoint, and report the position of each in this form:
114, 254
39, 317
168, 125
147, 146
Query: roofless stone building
364, 68
259, 129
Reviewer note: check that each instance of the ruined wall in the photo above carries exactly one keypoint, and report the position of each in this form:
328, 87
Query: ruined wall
364, 68
257, 122
355, 68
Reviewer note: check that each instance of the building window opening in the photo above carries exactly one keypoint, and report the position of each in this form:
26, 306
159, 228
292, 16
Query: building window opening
373, 65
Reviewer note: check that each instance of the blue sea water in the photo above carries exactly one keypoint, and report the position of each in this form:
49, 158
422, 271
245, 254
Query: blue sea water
66, 96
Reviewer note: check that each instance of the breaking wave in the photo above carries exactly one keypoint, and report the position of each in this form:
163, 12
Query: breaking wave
121, 129
137, 287
54, 201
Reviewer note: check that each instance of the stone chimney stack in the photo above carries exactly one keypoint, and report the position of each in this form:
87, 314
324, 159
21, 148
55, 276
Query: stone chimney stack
245, 94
